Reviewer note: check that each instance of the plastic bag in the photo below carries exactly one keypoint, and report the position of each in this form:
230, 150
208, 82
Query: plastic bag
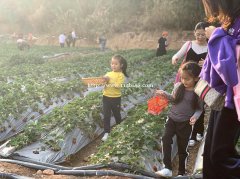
156, 105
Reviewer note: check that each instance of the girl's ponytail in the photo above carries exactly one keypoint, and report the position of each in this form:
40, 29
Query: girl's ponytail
123, 62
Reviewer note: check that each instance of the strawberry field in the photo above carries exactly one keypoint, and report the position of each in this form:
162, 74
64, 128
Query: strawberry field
47, 114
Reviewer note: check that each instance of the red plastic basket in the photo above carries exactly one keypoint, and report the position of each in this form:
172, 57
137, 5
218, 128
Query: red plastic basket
157, 104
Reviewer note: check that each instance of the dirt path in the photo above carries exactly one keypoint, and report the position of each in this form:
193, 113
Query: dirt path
81, 159
193, 151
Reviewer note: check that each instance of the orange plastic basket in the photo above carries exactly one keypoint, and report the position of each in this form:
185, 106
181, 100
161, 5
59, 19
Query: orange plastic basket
94, 81
157, 104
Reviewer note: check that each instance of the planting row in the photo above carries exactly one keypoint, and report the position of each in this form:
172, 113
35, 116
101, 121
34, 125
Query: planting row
36, 88
84, 116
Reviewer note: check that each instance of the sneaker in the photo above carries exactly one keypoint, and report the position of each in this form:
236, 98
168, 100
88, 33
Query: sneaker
180, 174
105, 137
199, 137
165, 173
191, 143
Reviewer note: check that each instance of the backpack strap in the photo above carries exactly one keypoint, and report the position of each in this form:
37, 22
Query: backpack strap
185, 55
188, 47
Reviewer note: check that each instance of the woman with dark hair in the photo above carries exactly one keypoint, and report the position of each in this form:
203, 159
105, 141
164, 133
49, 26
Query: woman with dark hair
220, 159
195, 50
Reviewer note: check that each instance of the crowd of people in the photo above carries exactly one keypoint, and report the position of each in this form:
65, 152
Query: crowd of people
64, 39
211, 56
24, 43
213, 50
69, 39
186, 116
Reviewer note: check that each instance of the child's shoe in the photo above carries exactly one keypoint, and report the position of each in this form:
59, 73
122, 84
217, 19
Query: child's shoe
191, 143
199, 137
165, 173
180, 174
105, 137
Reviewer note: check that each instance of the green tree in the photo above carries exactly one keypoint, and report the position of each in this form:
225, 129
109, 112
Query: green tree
89, 17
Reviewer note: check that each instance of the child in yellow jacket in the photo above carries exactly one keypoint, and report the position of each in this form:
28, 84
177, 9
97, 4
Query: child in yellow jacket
112, 92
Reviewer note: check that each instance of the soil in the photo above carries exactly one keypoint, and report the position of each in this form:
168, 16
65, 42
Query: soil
128, 40
23, 171
193, 151
80, 159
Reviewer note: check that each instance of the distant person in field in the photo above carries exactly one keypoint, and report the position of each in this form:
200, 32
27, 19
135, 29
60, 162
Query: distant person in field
69, 39
112, 92
62, 39
74, 38
162, 44
31, 39
102, 42
21, 43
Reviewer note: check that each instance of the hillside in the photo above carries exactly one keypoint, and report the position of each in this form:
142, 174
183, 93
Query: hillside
91, 18
127, 40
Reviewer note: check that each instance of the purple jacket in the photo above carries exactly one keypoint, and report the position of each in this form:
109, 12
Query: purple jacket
219, 68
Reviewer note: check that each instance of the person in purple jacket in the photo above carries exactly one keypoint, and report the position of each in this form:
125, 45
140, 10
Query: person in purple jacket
220, 159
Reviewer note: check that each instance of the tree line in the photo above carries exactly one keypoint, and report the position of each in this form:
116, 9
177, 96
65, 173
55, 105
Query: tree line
89, 17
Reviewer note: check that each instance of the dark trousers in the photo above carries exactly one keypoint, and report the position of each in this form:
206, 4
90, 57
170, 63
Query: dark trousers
161, 51
111, 105
220, 159
68, 43
73, 42
182, 130
198, 127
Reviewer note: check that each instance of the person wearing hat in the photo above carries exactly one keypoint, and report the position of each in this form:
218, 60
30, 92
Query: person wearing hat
162, 44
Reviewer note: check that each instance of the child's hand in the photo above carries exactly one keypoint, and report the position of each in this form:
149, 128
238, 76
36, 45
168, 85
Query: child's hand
174, 61
200, 63
192, 120
160, 93
106, 78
